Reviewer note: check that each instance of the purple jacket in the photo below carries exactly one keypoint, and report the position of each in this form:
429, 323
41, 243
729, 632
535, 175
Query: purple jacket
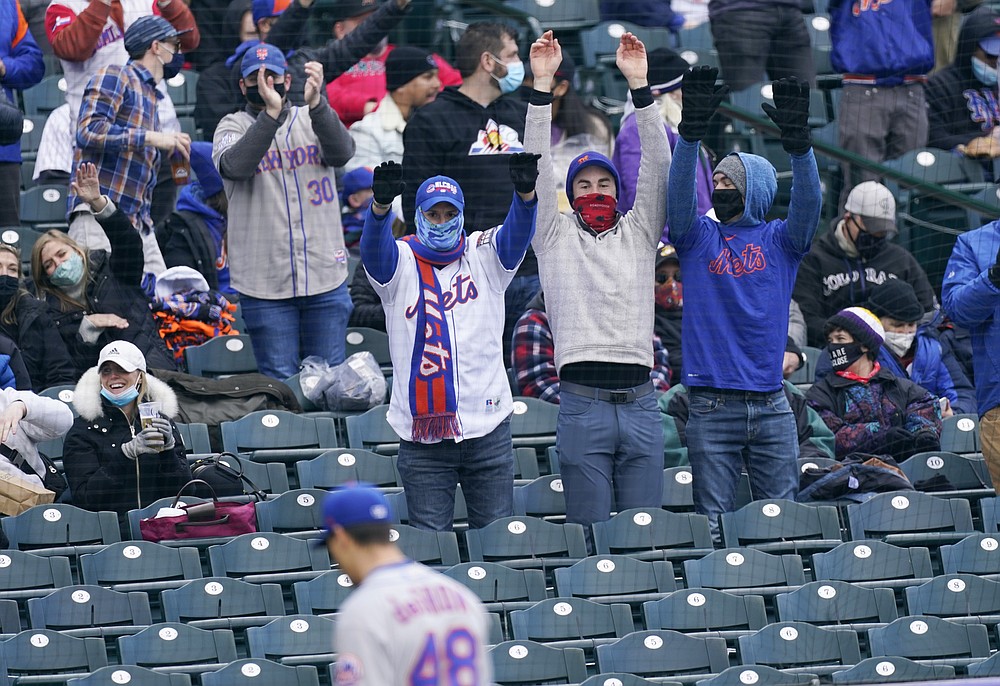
626, 160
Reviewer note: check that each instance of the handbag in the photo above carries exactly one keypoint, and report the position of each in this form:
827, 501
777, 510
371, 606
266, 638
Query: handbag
201, 520
224, 475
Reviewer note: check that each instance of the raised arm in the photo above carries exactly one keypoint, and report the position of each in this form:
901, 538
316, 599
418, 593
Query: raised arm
336, 144
379, 252
546, 56
339, 55
515, 234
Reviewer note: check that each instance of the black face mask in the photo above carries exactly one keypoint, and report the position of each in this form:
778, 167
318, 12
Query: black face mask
173, 67
255, 99
868, 244
8, 288
728, 204
844, 355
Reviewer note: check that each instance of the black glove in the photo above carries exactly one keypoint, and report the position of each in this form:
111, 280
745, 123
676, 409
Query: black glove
925, 441
387, 182
994, 272
524, 171
898, 442
700, 99
791, 113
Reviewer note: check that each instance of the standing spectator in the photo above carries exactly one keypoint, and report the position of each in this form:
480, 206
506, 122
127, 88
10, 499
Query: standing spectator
21, 67
359, 90
754, 36
411, 77
738, 277
597, 267
443, 295
119, 132
962, 99
643, 13
882, 110
971, 295
287, 257
217, 92
854, 259
54, 159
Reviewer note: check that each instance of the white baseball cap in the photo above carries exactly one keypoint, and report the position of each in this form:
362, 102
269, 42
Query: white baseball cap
123, 354
874, 203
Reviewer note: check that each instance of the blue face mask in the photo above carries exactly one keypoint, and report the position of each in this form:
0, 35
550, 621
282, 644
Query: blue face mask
440, 237
69, 273
515, 76
123, 398
986, 74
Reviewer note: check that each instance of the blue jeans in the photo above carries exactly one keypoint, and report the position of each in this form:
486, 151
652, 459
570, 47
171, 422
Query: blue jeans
729, 429
431, 471
609, 448
283, 332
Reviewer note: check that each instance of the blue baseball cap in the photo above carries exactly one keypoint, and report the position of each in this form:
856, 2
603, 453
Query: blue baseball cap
262, 9
358, 180
264, 55
440, 189
590, 159
143, 31
354, 504
990, 44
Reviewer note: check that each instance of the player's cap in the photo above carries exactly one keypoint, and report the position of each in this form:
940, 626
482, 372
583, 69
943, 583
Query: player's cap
262, 9
874, 203
123, 354
143, 31
990, 44
348, 9
354, 504
358, 180
264, 55
440, 189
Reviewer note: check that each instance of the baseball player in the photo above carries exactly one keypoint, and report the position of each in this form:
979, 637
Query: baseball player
443, 295
404, 624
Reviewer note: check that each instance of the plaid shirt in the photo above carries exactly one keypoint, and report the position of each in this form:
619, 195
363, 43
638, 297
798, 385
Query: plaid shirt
119, 106
533, 359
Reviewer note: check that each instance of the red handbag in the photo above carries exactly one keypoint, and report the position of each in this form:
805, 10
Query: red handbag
201, 520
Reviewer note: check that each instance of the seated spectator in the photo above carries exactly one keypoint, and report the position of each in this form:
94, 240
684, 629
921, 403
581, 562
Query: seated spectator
357, 197
668, 310
195, 234
533, 356
93, 297
854, 259
358, 90
666, 69
112, 461
25, 320
869, 409
962, 99
411, 77
26, 420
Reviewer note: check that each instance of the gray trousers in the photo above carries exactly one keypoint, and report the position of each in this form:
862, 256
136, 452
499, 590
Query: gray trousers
880, 123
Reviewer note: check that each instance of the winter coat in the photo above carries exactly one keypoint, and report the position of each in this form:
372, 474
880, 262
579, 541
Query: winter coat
100, 476
368, 310
22, 59
46, 359
881, 43
13, 371
46, 419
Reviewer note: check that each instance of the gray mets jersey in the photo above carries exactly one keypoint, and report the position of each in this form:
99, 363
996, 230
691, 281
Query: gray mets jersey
407, 625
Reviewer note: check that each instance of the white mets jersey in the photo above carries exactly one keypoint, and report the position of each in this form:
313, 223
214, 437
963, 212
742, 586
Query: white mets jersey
407, 625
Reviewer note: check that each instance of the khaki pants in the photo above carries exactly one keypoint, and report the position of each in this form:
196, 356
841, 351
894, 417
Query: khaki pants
989, 436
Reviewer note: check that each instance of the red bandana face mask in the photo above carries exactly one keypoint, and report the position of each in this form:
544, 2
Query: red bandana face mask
597, 210
669, 295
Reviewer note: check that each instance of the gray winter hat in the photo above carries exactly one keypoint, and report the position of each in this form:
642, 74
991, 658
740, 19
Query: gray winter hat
732, 167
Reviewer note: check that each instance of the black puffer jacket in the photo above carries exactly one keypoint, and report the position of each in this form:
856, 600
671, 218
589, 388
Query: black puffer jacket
100, 476
44, 352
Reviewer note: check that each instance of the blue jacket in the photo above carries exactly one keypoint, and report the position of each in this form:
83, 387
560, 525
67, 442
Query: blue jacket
884, 40
22, 59
972, 301
738, 277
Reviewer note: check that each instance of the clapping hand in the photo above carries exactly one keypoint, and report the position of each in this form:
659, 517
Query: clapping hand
387, 182
314, 83
791, 113
545, 56
265, 86
700, 98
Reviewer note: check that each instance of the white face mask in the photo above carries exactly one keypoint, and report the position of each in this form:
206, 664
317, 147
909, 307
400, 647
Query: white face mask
899, 343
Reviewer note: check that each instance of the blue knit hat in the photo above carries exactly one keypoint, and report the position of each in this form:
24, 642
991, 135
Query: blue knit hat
588, 159
143, 31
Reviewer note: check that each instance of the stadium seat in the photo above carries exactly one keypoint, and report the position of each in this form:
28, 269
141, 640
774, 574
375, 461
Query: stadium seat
10, 617
961, 598
540, 497
181, 88
818, 26
322, 595
801, 647
255, 671
44, 207
782, 526
838, 603
908, 518
31, 135
527, 542
268, 557
931, 638
497, 583
600, 43
438, 548
220, 602
371, 431
195, 437
888, 669
960, 434
647, 653
560, 15
815, 463
533, 423
336, 467
293, 640
624, 679
38, 652
24, 575
806, 374
140, 566
968, 475
221, 356
23, 238
991, 515
706, 611
279, 436
751, 98
361, 339
874, 564
745, 570
114, 675
615, 578
180, 647
974, 554
53, 448
985, 668
697, 46
742, 675
60, 529
297, 513
573, 622
678, 495
46, 96
528, 662
654, 534
89, 611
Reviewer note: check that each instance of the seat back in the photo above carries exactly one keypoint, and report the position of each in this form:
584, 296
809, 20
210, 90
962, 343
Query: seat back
928, 637
277, 429
336, 467
46, 96
173, 643
137, 561
565, 15
909, 513
44, 651
528, 662
113, 675
678, 494
195, 437
648, 529
732, 568
221, 356
44, 207
371, 431
836, 602
603, 575
600, 43
557, 619
298, 510
58, 524
542, 496
705, 609
963, 472
253, 671
656, 652
533, 419
221, 597
266, 553
429, 547
492, 582
20, 571
797, 644
322, 595
891, 669
960, 434
291, 635
360, 339
741, 675
772, 521
974, 554
512, 538
10, 617
954, 595
75, 607
871, 561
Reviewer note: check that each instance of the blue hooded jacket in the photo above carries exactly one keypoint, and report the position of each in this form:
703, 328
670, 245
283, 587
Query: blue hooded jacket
192, 199
885, 41
23, 60
972, 301
738, 277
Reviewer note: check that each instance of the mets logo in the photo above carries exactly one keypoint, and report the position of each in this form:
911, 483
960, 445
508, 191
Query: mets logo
441, 186
750, 260
262, 54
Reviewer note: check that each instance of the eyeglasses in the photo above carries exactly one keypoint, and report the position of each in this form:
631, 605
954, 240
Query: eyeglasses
663, 278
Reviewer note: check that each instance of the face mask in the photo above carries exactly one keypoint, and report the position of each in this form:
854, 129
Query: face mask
123, 398
597, 210
899, 343
669, 295
728, 204
868, 244
254, 96
440, 237
8, 287
512, 81
844, 355
173, 67
986, 74
69, 273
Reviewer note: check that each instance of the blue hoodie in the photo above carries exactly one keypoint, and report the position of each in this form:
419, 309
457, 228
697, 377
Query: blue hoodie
738, 277
972, 301
192, 199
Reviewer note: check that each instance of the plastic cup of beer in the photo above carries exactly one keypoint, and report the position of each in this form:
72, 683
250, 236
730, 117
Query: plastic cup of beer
147, 411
